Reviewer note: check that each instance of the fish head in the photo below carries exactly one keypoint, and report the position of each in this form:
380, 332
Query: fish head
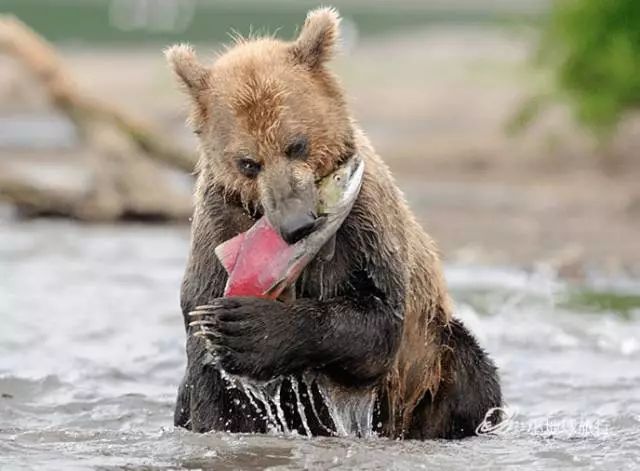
337, 192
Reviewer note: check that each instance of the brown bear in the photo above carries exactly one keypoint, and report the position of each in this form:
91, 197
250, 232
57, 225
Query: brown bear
373, 322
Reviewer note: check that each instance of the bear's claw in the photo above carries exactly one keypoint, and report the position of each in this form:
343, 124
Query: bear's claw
202, 310
200, 325
201, 322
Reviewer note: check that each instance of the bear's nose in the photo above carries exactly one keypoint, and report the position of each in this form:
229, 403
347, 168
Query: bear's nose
297, 226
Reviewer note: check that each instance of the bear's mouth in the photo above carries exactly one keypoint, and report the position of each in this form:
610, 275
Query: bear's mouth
255, 211
262, 263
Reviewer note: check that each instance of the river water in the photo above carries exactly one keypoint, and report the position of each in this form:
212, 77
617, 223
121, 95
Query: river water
92, 350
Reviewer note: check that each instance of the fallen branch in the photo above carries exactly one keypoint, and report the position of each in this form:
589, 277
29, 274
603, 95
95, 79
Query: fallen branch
126, 151
31, 200
42, 61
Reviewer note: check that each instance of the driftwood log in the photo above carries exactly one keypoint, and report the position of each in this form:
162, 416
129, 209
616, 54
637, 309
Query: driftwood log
129, 160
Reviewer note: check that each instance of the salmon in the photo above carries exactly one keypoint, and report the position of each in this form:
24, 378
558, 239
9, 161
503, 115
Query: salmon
260, 263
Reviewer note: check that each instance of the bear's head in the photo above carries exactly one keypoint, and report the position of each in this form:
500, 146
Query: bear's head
271, 120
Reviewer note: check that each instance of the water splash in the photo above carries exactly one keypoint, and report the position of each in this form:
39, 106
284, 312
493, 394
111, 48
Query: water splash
308, 380
273, 390
351, 411
301, 412
262, 396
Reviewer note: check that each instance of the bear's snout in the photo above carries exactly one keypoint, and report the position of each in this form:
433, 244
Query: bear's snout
296, 226
289, 197
293, 217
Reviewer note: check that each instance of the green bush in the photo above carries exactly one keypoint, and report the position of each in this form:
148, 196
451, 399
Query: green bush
593, 47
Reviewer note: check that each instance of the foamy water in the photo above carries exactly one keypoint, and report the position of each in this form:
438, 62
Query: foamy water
92, 350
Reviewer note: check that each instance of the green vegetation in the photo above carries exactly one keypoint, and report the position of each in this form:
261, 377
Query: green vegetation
598, 301
593, 47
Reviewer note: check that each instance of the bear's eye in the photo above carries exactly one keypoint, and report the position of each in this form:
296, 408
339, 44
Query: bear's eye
298, 148
249, 167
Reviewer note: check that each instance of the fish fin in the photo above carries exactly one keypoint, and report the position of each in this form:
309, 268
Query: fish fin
276, 289
288, 295
228, 251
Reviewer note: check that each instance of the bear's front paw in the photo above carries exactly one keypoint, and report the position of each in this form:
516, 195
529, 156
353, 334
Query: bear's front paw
252, 337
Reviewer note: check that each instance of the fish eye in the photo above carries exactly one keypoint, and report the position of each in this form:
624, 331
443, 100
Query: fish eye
248, 167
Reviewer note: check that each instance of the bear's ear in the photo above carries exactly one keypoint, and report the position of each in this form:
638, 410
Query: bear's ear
317, 39
184, 62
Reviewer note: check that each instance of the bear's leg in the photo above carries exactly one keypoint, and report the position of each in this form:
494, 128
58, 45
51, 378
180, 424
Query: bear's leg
468, 391
182, 413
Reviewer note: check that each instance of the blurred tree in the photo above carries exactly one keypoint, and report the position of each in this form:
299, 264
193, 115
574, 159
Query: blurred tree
593, 47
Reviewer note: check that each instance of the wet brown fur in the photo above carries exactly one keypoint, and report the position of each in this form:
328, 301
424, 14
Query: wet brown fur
251, 101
